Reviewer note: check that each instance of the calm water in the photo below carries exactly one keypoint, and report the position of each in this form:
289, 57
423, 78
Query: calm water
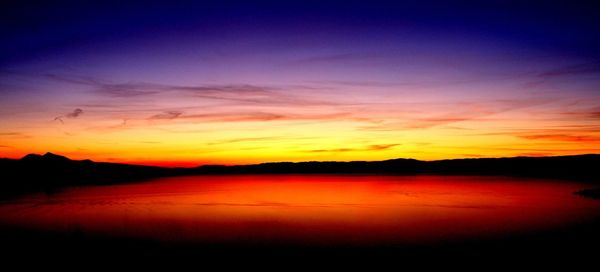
314, 209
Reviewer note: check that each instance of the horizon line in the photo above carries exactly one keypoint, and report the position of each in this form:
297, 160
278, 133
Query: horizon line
293, 162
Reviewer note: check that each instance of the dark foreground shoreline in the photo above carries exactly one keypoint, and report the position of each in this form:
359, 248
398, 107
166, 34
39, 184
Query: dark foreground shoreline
574, 246
50, 172
591, 193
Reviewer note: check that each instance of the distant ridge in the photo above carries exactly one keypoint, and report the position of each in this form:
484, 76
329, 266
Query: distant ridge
46, 157
49, 172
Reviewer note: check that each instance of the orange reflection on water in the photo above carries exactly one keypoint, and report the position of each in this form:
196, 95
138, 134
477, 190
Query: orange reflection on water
314, 209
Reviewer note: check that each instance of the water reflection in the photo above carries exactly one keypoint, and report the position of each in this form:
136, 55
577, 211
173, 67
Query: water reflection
328, 209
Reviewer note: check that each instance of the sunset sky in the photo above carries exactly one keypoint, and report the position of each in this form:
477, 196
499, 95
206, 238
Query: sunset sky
189, 83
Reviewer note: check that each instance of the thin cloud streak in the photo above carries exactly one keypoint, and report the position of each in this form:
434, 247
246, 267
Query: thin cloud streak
247, 116
457, 112
244, 93
74, 114
247, 139
166, 115
562, 137
379, 147
577, 69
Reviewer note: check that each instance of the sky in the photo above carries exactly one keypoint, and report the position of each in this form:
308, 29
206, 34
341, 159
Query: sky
182, 83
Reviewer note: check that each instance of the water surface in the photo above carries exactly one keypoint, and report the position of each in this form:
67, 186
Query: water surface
308, 209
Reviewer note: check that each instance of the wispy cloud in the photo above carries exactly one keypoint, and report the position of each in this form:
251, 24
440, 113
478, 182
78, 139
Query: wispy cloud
562, 137
246, 116
526, 147
412, 84
246, 139
342, 58
576, 69
453, 112
589, 113
166, 115
235, 116
240, 93
74, 114
125, 90
378, 147
578, 134
381, 146
336, 150
581, 69
253, 94
10, 134
14, 135
534, 154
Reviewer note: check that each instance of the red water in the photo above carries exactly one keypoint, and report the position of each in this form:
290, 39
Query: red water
313, 209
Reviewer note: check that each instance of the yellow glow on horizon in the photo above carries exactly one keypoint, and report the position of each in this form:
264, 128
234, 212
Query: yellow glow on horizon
186, 143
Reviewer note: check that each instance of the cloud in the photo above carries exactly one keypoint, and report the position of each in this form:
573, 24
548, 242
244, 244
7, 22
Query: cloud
248, 139
593, 113
235, 117
10, 134
246, 116
535, 154
412, 84
125, 90
14, 135
120, 90
166, 115
423, 116
577, 69
561, 134
381, 146
252, 94
378, 147
550, 150
541, 78
74, 114
469, 155
562, 137
342, 58
245, 93
334, 150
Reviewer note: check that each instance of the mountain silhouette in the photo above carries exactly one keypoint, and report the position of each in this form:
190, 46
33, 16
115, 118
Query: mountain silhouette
51, 172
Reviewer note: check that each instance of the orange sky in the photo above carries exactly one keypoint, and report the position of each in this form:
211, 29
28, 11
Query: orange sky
321, 127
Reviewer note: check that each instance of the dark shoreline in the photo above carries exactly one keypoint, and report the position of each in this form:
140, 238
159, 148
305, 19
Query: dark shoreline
49, 172
591, 193
571, 245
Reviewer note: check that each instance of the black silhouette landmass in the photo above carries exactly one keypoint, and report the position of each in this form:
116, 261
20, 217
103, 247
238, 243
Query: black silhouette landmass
567, 246
591, 193
51, 172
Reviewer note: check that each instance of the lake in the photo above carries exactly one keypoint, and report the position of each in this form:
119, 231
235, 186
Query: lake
307, 209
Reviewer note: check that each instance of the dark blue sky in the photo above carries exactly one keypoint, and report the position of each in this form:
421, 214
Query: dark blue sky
37, 28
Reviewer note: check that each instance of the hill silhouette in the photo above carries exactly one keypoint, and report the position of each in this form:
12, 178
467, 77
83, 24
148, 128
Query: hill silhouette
50, 172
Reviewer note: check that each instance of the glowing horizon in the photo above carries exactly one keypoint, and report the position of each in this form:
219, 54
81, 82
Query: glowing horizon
241, 84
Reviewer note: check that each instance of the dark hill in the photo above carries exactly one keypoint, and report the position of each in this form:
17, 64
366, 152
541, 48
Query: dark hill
49, 172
